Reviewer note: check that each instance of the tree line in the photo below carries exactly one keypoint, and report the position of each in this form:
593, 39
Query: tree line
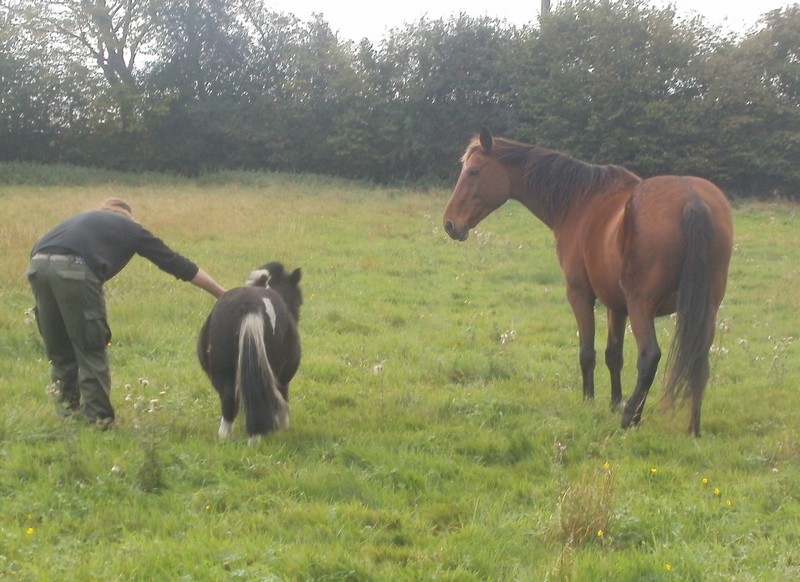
192, 86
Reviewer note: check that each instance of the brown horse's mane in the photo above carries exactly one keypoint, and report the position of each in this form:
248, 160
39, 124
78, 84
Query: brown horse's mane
554, 179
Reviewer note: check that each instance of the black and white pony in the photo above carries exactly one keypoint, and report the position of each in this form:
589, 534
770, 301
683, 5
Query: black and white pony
249, 347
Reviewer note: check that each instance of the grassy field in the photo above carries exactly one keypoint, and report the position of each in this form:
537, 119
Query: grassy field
438, 430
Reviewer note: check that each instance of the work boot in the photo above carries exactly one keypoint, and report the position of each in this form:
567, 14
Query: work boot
104, 424
66, 404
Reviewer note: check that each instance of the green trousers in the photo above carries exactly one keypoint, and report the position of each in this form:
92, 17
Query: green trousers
71, 316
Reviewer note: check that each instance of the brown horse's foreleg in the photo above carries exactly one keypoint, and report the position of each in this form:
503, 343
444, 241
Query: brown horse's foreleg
646, 366
583, 308
616, 338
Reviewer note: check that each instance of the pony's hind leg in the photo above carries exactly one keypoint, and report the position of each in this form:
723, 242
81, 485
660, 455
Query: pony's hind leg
230, 408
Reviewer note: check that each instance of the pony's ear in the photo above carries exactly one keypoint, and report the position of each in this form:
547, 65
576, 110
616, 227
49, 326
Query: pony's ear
295, 276
486, 140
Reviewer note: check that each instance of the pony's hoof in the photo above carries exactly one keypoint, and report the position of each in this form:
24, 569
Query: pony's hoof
225, 429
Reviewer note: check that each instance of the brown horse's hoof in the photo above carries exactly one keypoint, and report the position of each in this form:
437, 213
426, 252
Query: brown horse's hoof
630, 419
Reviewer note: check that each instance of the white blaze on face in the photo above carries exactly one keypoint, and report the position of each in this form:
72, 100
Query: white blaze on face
270, 313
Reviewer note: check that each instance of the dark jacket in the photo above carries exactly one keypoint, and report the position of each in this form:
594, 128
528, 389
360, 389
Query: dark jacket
107, 241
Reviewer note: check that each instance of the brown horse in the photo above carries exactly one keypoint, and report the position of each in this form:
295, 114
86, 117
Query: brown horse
644, 248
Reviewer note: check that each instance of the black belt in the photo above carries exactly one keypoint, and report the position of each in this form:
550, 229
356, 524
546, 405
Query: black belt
77, 259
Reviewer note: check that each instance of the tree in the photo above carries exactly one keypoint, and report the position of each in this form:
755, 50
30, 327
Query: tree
23, 123
752, 108
606, 81
111, 34
231, 84
444, 79
196, 85
41, 95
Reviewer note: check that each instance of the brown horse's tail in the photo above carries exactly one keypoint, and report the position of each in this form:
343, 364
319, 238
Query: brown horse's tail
687, 361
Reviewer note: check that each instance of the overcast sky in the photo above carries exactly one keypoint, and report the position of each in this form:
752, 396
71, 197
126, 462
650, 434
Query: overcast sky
355, 19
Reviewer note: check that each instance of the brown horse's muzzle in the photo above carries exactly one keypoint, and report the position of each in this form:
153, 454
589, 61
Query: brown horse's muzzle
457, 233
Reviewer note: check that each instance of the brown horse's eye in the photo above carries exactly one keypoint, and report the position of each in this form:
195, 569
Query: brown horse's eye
473, 172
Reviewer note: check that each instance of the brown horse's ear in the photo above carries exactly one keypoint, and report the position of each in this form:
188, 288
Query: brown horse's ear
486, 140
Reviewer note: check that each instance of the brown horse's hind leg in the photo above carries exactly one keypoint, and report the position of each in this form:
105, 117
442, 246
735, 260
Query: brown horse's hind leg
646, 365
616, 338
698, 385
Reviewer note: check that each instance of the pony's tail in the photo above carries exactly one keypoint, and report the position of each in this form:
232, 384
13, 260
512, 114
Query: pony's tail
265, 409
687, 361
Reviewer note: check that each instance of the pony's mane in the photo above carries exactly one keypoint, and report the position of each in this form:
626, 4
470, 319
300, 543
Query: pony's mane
556, 180
257, 278
263, 275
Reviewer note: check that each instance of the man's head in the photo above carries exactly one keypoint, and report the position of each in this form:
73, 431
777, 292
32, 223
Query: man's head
119, 206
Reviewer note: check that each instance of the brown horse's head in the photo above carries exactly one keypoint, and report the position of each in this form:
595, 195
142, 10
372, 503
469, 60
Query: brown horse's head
483, 186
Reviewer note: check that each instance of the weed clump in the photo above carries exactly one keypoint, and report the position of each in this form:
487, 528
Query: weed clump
585, 508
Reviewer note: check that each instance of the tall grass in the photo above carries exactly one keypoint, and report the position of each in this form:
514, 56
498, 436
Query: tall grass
438, 430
